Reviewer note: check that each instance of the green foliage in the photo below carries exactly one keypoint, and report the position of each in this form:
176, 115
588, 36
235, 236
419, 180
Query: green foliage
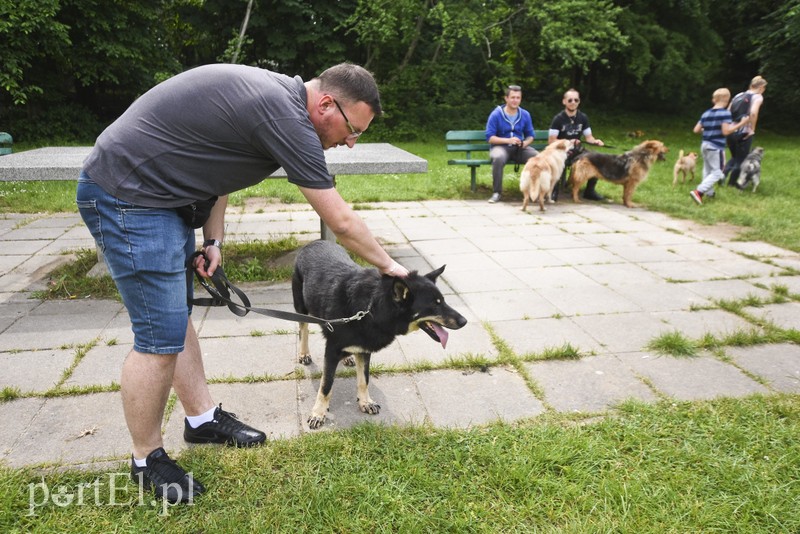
29, 33
440, 64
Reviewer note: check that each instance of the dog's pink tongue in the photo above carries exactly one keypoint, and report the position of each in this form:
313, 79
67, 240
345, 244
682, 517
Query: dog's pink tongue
442, 333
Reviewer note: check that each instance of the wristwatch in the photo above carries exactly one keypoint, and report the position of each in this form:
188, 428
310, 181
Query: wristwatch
212, 243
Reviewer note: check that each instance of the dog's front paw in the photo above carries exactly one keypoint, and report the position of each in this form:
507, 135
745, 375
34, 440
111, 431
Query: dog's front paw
315, 421
305, 359
349, 362
370, 407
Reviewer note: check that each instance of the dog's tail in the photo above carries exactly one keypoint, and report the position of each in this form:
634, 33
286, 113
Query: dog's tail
525, 181
680, 154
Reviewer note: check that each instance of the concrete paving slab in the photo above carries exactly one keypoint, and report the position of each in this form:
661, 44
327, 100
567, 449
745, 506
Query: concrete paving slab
481, 281
100, 366
49, 365
472, 339
74, 429
556, 241
778, 364
509, 305
786, 315
552, 277
725, 289
660, 296
699, 378
743, 267
622, 332
682, 271
39, 332
792, 283
528, 259
615, 274
397, 395
758, 248
241, 356
462, 399
17, 415
635, 252
696, 324
587, 300
470, 261
534, 336
591, 384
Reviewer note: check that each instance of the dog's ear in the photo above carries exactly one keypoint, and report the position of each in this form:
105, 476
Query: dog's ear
400, 290
433, 275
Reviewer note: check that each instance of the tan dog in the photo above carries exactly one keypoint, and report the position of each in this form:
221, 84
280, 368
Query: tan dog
628, 169
541, 173
684, 166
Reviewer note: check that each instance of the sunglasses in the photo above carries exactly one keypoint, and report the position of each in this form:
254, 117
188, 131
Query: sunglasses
575, 100
354, 134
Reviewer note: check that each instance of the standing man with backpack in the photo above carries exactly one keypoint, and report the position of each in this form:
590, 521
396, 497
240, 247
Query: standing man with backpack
739, 142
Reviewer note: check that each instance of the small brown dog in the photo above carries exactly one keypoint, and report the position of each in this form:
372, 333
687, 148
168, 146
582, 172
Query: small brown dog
684, 166
628, 169
541, 173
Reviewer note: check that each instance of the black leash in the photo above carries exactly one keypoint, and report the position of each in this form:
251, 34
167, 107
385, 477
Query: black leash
221, 296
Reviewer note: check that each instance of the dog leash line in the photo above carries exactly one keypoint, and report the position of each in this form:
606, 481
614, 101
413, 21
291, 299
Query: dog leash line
221, 297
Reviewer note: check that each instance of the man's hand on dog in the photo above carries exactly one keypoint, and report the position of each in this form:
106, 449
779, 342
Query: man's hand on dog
395, 269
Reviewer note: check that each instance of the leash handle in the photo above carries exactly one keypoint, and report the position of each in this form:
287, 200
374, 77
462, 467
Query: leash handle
221, 296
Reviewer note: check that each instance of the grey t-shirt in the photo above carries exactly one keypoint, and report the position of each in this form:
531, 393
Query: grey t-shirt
209, 131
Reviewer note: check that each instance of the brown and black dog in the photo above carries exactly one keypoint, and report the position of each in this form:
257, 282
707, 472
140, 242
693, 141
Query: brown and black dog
628, 169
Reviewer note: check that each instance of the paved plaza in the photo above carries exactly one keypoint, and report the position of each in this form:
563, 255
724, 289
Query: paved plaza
602, 279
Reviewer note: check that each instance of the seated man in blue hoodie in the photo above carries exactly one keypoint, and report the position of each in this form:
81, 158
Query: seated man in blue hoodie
509, 131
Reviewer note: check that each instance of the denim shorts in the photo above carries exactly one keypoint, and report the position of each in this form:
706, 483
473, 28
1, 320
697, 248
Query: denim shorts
146, 251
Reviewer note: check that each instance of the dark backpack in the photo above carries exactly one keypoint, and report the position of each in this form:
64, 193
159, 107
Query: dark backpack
740, 106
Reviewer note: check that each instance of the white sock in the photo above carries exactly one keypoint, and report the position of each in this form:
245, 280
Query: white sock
140, 463
197, 420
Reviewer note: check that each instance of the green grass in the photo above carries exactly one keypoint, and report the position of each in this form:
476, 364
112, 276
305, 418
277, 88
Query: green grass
771, 215
247, 261
729, 465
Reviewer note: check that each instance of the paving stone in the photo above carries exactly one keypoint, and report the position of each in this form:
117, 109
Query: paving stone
73, 429
778, 364
397, 395
785, 315
534, 336
34, 371
591, 384
698, 378
463, 399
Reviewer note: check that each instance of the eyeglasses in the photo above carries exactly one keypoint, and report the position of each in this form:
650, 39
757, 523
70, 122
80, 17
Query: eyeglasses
354, 134
575, 100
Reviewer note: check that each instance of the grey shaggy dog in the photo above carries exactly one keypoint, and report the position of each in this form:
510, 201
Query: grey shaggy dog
751, 169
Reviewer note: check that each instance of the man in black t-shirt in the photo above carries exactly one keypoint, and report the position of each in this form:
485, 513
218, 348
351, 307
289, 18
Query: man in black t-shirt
572, 124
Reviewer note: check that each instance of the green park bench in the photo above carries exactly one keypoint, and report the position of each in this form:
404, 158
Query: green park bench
476, 149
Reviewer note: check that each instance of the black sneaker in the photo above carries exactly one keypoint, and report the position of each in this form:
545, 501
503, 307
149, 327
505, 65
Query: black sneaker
168, 479
593, 195
224, 428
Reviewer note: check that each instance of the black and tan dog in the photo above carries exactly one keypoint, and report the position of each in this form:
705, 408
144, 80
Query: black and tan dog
628, 169
328, 284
